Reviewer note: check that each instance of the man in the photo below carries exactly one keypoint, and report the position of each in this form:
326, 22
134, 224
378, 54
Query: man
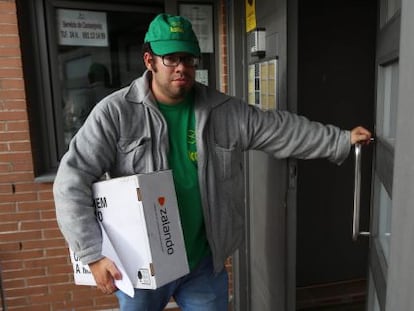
165, 120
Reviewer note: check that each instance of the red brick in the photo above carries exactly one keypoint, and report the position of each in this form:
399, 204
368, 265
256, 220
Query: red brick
80, 295
49, 298
60, 255
7, 18
22, 255
24, 167
27, 291
10, 62
11, 41
20, 146
6, 188
5, 217
48, 214
15, 104
5, 167
85, 291
14, 94
79, 305
20, 301
42, 244
7, 7
8, 29
5, 227
12, 246
82, 300
21, 273
25, 187
35, 205
18, 126
15, 157
56, 288
20, 236
61, 269
16, 176
10, 72
7, 208
43, 262
9, 51
4, 147
45, 195
45, 187
53, 233
41, 307
10, 136
61, 278
17, 173
60, 306
26, 305
14, 283
18, 197
13, 115
11, 83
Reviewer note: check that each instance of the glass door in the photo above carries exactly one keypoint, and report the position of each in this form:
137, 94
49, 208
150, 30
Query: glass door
387, 60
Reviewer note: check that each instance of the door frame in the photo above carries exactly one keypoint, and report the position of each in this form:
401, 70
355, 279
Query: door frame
401, 263
237, 82
291, 201
387, 54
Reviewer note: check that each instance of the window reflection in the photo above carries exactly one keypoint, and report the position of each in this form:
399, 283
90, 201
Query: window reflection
98, 52
387, 99
384, 222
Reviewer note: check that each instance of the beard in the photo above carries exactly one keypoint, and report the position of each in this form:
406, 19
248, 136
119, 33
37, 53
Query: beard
167, 84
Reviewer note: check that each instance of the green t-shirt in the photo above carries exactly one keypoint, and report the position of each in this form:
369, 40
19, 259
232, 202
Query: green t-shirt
182, 159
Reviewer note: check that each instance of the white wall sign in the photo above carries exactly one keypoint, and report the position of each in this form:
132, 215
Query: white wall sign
83, 28
201, 17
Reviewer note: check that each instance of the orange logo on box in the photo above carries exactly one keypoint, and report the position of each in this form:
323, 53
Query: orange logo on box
161, 200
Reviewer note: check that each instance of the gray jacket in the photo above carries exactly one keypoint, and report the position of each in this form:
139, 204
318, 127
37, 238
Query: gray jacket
126, 134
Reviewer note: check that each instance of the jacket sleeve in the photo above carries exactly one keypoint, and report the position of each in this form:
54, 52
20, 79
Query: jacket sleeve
90, 155
284, 134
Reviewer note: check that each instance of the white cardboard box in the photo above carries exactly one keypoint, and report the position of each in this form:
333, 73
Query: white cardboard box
141, 230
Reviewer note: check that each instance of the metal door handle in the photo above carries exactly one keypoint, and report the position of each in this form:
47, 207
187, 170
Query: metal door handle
357, 195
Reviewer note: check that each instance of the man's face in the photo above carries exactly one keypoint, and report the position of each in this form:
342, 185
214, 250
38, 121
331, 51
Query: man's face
170, 83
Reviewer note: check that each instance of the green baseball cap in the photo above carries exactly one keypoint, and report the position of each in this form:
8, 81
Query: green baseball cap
172, 34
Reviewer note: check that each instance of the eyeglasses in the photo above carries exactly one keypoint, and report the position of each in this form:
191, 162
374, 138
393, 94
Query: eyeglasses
173, 60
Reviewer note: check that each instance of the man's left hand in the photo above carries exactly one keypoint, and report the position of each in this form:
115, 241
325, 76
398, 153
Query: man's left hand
360, 135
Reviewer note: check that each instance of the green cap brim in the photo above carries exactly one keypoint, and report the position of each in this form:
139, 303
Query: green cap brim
175, 46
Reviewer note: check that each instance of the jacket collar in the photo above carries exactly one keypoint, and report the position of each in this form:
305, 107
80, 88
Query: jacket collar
139, 91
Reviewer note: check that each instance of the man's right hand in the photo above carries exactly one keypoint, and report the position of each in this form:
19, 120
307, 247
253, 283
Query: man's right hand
105, 273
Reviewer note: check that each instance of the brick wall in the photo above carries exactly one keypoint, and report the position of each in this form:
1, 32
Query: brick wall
34, 260
223, 61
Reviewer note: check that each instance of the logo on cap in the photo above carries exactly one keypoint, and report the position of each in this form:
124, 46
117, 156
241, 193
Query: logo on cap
176, 27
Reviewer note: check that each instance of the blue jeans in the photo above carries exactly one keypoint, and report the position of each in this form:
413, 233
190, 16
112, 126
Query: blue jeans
200, 290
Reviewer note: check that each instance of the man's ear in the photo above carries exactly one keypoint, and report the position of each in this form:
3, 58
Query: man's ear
148, 60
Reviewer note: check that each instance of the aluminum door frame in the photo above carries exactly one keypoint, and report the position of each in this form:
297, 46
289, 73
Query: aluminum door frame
401, 262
